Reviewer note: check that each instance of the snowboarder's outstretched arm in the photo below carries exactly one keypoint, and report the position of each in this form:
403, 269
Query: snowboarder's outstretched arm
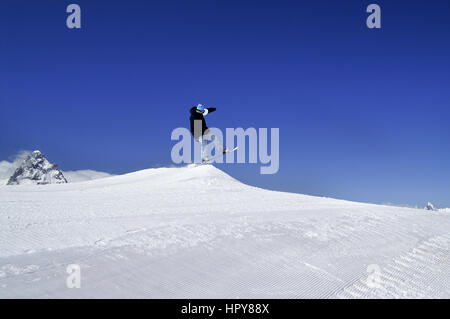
208, 110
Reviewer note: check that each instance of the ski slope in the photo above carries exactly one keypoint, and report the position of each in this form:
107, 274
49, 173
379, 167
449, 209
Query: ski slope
195, 232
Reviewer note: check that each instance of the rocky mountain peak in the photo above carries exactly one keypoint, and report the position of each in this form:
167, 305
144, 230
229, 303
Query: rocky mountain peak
36, 169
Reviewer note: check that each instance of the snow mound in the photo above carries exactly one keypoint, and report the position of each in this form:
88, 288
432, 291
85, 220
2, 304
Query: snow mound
36, 169
84, 175
195, 232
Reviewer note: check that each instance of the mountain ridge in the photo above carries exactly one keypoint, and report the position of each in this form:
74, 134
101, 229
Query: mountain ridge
36, 169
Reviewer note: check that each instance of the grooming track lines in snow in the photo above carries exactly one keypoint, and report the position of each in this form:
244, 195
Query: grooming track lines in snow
146, 234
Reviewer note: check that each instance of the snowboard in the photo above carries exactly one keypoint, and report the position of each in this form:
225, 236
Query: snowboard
209, 160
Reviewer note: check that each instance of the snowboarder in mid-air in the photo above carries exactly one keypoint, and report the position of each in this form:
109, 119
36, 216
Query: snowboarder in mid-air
202, 133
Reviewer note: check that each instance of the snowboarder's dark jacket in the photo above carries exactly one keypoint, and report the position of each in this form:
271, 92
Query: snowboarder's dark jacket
199, 116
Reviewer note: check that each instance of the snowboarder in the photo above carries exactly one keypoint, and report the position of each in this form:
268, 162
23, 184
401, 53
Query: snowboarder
201, 132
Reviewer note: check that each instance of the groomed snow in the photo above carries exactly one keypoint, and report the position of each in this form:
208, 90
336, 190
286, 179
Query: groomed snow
84, 175
196, 232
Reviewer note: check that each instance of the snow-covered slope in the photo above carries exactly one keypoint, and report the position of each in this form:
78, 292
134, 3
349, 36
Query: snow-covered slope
84, 175
197, 232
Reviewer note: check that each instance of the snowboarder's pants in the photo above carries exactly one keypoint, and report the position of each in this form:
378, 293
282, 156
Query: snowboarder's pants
207, 137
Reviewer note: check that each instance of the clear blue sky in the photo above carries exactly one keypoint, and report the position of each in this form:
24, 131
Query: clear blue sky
363, 114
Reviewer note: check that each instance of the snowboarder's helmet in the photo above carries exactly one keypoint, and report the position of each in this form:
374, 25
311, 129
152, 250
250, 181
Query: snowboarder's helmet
200, 108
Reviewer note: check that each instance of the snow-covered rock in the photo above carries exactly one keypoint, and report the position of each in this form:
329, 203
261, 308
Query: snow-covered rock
430, 206
36, 169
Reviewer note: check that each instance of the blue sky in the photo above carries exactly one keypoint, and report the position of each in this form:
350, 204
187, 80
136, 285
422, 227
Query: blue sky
363, 114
